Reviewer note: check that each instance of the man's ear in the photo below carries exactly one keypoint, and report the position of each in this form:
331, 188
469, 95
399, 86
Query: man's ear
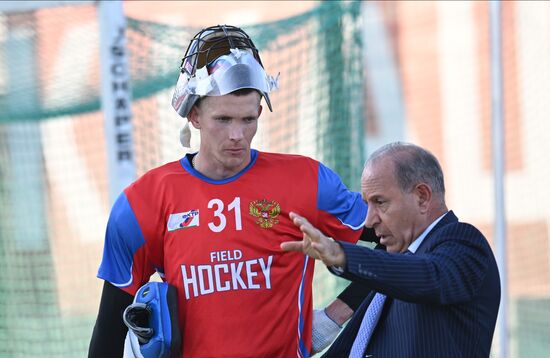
193, 117
424, 196
260, 108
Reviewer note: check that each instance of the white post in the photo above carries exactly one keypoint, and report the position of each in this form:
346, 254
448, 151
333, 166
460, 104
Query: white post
116, 96
497, 115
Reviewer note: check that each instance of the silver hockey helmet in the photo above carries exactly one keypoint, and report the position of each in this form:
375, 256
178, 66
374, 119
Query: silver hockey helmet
219, 60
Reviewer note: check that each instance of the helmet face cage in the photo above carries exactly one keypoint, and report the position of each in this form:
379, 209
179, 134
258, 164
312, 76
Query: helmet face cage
213, 42
198, 72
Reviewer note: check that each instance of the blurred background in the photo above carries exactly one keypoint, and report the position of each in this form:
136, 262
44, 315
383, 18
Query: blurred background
353, 76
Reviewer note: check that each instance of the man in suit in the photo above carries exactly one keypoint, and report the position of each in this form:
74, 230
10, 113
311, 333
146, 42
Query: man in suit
436, 290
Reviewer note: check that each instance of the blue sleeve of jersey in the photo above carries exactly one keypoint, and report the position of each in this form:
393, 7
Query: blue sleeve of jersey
334, 198
122, 239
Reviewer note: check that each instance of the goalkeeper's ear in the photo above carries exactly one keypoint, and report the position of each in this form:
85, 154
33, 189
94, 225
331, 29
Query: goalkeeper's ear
193, 117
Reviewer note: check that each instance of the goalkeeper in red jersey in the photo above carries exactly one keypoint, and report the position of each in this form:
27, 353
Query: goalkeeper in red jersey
211, 224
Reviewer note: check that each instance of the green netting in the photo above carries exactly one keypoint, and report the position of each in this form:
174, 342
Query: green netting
53, 179
319, 105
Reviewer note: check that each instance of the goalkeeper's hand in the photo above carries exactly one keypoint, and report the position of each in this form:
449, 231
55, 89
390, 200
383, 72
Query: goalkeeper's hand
324, 332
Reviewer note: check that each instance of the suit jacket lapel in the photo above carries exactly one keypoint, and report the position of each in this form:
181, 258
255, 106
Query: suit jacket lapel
449, 218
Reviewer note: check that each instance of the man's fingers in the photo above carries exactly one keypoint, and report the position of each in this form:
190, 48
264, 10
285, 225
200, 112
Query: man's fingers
297, 219
293, 216
318, 247
312, 232
305, 226
315, 244
292, 246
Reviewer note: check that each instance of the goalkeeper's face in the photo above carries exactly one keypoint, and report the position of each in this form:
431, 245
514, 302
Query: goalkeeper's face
227, 125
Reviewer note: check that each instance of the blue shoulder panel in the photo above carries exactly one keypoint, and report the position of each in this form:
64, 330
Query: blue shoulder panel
336, 199
122, 239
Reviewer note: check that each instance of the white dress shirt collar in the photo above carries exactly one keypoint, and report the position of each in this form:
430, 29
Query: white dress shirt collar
416, 243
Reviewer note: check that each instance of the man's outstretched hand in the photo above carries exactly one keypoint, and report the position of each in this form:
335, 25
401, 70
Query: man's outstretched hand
315, 244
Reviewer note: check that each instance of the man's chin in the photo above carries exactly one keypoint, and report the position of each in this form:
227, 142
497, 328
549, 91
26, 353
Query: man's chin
236, 163
384, 241
391, 248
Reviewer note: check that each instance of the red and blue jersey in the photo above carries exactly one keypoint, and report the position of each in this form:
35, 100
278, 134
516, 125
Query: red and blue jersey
218, 242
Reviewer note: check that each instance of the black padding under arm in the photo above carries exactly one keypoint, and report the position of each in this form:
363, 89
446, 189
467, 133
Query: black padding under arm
109, 330
355, 293
369, 235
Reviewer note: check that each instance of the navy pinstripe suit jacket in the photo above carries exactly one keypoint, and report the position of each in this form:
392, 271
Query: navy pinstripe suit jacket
441, 302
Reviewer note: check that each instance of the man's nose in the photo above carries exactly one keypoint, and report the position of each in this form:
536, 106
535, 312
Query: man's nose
372, 217
236, 133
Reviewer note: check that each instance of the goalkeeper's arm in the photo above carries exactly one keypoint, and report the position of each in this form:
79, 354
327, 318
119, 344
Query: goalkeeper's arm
328, 322
109, 330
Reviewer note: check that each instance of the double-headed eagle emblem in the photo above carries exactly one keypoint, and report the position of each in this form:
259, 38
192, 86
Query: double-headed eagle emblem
266, 212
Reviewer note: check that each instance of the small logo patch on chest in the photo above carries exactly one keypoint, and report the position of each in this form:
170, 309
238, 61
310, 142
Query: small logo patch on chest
265, 212
183, 220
